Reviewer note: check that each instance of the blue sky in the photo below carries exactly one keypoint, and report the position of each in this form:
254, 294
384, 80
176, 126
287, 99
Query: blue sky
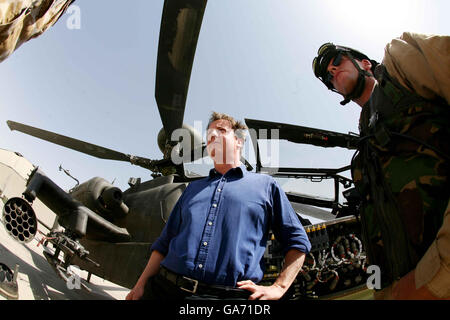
253, 60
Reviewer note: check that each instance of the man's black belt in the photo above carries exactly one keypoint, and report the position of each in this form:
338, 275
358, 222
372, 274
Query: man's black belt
193, 286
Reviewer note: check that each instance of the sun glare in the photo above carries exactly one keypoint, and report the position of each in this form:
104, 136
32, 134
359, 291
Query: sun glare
383, 18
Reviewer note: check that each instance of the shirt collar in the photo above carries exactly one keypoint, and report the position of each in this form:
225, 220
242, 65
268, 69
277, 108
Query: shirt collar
240, 171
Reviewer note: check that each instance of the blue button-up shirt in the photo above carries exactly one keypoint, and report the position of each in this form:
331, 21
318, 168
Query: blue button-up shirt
218, 229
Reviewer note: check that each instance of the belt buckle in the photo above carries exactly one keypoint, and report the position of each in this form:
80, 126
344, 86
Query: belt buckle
195, 285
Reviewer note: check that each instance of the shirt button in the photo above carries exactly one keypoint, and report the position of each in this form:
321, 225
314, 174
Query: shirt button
214, 205
205, 243
218, 190
210, 223
200, 266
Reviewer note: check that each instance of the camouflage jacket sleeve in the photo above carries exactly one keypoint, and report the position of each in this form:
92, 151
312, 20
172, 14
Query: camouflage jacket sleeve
420, 63
22, 20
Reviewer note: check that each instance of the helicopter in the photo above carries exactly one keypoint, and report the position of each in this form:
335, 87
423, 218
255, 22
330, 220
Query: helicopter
109, 232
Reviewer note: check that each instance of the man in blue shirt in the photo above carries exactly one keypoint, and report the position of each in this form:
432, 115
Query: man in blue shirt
216, 235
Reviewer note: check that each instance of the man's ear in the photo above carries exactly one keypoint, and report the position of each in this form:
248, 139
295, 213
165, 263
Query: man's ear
240, 142
366, 64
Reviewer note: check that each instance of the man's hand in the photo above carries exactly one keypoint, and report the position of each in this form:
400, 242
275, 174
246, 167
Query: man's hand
293, 262
150, 270
135, 294
273, 292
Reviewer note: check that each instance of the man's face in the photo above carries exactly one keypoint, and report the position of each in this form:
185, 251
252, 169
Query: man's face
344, 75
222, 143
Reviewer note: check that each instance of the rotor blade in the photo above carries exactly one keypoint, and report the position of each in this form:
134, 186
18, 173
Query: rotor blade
299, 134
71, 143
180, 28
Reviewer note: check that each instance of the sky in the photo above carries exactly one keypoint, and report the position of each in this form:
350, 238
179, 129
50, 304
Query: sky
95, 82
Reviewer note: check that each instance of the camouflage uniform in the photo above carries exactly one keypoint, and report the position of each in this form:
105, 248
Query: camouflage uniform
22, 20
402, 172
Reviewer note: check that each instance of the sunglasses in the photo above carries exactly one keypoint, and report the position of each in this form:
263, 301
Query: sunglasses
336, 62
325, 54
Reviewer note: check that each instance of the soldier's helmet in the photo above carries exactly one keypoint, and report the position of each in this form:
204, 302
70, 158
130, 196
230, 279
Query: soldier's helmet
327, 52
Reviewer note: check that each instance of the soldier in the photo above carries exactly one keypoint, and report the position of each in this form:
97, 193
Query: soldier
401, 168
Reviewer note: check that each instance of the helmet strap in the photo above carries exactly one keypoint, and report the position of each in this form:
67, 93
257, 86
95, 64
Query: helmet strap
360, 83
